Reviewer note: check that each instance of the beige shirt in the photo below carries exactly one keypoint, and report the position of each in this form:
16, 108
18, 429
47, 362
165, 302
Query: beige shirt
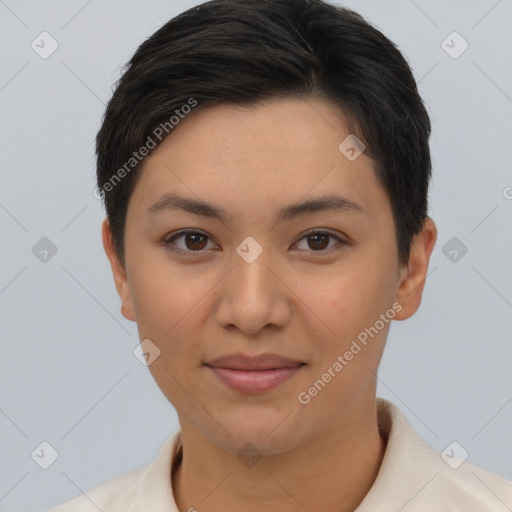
412, 478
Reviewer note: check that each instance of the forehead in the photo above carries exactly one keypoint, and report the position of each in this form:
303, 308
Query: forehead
288, 128
265, 155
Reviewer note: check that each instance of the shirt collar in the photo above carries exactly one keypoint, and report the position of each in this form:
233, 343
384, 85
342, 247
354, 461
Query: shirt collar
406, 456
407, 467
155, 488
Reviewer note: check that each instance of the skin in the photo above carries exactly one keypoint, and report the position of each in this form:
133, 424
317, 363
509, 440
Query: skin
292, 300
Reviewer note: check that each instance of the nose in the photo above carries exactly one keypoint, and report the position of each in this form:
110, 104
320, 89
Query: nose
253, 296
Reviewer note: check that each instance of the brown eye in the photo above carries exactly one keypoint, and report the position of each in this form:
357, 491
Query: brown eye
196, 241
191, 241
320, 241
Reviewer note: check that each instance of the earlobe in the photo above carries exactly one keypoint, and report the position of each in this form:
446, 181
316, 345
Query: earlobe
118, 271
413, 275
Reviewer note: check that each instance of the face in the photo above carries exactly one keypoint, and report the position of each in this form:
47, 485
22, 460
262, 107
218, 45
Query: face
291, 263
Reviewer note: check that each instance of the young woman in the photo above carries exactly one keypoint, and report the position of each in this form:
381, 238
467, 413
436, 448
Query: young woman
265, 168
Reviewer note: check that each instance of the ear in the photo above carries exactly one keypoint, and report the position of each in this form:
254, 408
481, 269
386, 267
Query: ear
119, 272
413, 275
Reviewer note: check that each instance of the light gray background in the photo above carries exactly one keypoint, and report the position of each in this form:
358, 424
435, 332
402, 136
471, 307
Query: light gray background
68, 374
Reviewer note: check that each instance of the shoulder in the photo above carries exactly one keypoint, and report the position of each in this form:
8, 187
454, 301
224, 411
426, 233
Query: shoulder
417, 478
464, 488
116, 495
136, 490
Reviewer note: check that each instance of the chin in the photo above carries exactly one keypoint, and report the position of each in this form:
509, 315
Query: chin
259, 442
271, 431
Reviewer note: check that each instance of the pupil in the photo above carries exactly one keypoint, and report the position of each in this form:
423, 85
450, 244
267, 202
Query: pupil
316, 239
195, 240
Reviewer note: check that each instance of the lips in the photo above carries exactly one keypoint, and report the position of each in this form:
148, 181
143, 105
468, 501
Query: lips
259, 362
254, 374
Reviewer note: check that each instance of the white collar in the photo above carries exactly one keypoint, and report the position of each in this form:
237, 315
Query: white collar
412, 478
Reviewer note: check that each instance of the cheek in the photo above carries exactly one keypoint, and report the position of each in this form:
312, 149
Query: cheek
354, 300
171, 312
170, 307
162, 292
351, 306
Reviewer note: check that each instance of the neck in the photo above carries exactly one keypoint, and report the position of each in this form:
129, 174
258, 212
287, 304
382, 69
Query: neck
332, 472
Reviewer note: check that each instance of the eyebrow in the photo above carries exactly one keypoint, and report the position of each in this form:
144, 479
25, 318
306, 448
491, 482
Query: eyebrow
331, 202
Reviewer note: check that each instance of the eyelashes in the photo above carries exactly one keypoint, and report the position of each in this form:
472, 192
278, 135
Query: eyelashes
169, 241
201, 239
